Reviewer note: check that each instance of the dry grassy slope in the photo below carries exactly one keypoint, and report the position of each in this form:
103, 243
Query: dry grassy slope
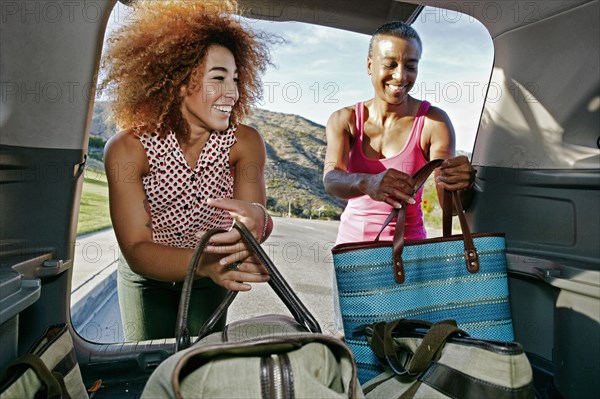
295, 154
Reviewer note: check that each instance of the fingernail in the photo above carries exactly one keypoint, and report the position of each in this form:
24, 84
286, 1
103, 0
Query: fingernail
398, 205
411, 201
223, 262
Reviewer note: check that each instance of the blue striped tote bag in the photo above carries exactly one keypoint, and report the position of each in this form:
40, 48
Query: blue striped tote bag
461, 277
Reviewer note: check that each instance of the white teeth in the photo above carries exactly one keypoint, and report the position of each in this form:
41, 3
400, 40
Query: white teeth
223, 108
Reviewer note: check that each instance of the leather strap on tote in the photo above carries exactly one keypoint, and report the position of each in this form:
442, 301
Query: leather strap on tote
420, 178
399, 214
219, 312
382, 341
456, 384
471, 257
397, 359
276, 281
451, 200
447, 209
432, 344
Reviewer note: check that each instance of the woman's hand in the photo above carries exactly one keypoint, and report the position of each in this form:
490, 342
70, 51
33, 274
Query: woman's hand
237, 263
251, 215
391, 187
233, 276
456, 174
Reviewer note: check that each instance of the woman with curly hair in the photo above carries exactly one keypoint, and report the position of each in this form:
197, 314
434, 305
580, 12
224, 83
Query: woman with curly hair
182, 76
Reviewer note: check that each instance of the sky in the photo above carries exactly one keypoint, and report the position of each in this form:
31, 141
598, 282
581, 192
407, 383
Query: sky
319, 70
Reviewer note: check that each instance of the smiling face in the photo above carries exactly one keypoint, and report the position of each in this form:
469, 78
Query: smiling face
208, 107
393, 66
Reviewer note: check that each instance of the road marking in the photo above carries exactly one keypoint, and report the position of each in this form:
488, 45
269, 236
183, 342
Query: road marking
299, 225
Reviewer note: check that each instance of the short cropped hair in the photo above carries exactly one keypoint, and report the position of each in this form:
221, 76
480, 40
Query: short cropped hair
397, 29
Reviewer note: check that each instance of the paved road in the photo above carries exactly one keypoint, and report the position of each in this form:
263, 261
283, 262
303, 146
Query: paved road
299, 248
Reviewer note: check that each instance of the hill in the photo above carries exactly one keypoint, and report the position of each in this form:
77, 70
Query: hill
294, 167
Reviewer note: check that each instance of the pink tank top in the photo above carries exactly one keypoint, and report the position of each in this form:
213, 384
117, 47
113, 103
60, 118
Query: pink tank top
177, 194
363, 217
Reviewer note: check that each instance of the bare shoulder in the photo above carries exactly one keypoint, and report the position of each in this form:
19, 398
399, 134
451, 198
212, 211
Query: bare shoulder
125, 147
438, 138
342, 116
342, 121
437, 122
249, 147
247, 134
124, 141
437, 115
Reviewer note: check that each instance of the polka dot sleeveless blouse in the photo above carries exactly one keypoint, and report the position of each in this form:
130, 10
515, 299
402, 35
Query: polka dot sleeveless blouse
177, 194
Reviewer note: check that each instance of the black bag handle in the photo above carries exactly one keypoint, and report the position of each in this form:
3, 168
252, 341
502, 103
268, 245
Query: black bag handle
451, 200
276, 281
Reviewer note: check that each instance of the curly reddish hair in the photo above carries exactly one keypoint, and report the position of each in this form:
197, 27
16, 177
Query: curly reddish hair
164, 48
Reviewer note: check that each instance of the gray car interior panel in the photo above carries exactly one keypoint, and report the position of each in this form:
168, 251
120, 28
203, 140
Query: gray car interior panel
57, 82
536, 156
511, 200
355, 15
553, 268
540, 98
38, 244
47, 98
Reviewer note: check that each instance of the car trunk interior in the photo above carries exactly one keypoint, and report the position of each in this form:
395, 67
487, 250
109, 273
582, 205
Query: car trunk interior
536, 155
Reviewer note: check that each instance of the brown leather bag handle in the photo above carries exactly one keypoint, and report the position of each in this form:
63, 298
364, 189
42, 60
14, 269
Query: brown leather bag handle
392, 355
471, 257
451, 200
420, 178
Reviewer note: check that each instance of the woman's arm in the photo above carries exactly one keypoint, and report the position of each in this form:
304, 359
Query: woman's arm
249, 184
126, 163
456, 173
248, 160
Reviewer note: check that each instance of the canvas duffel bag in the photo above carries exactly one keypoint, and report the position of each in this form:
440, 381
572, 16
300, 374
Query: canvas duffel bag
425, 360
271, 356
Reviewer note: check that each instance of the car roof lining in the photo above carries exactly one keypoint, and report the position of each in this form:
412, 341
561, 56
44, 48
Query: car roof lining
358, 16
364, 17
65, 124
